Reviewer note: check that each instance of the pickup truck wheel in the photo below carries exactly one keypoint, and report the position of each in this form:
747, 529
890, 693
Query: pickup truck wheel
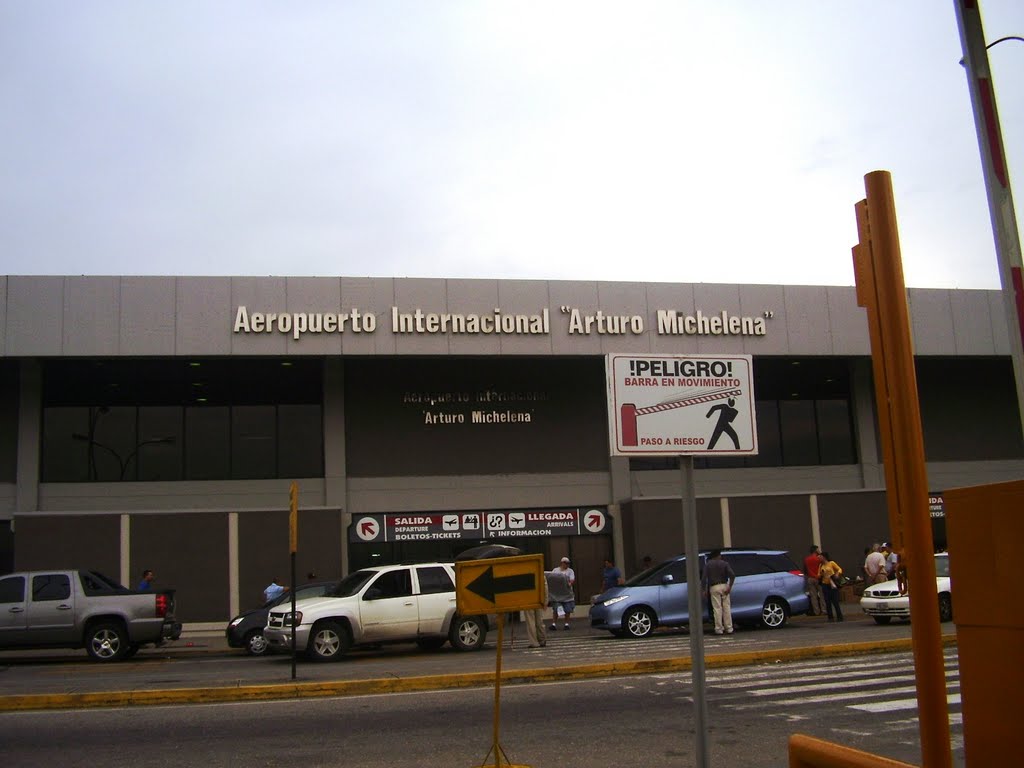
468, 633
256, 644
328, 641
106, 641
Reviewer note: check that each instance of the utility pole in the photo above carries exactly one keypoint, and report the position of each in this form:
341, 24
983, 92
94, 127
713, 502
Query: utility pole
997, 182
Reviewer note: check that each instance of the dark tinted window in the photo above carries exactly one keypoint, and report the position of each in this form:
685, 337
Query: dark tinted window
54, 586
434, 580
799, 433
165, 420
12, 589
9, 394
253, 442
743, 565
835, 432
391, 584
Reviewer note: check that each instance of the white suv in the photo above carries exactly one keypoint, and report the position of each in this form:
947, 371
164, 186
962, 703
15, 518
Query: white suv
385, 604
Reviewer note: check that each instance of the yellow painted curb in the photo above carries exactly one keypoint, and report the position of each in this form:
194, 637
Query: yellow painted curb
277, 691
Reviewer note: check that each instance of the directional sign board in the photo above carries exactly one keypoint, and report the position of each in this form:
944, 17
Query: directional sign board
499, 584
668, 405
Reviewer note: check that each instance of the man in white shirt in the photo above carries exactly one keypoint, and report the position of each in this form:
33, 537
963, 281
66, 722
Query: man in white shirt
874, 566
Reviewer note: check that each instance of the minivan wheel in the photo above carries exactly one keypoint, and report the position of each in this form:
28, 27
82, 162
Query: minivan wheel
328, 641
468, 633
945, 607
639, 622
773, 613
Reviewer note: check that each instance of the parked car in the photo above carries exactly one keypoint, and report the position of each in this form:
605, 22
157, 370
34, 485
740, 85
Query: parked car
383, 604
769, 589
83, 609
246, 629
883, 602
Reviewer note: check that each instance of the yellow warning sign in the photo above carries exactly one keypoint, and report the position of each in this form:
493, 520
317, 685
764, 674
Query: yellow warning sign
499, 584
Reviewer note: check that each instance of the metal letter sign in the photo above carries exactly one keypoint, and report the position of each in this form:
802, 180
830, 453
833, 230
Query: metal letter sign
499, 584
671, 405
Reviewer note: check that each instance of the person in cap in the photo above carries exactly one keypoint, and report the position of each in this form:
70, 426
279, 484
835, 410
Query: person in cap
561, 594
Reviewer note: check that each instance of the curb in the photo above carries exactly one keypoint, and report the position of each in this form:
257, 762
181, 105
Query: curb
280, 691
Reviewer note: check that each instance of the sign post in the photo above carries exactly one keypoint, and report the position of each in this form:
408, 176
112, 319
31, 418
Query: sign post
499, 585
293, 547
684, 405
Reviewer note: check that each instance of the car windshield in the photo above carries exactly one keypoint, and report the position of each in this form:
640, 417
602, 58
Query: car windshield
350, 584
942, 566
641, 578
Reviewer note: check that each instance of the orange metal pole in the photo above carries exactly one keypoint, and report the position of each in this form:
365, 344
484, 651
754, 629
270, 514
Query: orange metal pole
884, 294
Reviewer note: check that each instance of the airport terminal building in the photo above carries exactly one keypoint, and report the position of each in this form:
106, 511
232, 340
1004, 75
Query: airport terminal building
158, 422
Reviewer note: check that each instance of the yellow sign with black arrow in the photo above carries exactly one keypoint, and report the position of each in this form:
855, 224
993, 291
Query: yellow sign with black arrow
499, 584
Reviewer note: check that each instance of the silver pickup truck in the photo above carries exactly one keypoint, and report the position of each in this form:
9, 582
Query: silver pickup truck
82, 609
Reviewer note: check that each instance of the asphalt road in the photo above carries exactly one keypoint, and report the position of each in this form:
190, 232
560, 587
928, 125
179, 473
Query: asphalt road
860, 701
206, 661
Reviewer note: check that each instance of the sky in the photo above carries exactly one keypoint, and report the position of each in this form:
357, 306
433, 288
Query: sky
677, 141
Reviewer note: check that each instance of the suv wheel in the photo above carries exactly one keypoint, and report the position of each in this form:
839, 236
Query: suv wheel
468, 633
773, 613
328, 641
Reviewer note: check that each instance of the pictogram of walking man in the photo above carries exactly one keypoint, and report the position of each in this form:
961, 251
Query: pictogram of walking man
726, 415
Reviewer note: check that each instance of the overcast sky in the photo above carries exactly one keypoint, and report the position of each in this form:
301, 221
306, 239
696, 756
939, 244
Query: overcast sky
677, 141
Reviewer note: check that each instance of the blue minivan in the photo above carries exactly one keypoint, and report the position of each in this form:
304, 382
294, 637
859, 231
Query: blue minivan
769, 589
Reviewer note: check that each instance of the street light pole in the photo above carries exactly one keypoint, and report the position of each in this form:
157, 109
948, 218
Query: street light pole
997, 182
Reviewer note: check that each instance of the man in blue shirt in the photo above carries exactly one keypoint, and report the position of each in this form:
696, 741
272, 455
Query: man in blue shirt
610, 576
274, 590
147, 577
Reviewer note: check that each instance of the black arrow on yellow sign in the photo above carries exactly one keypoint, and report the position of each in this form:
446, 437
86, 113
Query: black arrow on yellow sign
487, 586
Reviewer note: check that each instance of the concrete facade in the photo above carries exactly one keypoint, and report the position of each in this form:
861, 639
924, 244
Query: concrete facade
218, 541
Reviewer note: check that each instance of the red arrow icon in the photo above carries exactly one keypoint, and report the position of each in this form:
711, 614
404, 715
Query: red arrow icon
369, 528
593, 520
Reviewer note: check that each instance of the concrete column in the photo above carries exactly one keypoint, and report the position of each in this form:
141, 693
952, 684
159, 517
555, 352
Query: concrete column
234, 604
865, 424
335, 472
126, 551
726, 523
30, 424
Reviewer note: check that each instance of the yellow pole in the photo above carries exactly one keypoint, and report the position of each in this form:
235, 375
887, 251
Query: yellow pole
882, 290
497, 691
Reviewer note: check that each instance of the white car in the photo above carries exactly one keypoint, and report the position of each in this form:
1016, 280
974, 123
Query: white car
383, 604
883, 602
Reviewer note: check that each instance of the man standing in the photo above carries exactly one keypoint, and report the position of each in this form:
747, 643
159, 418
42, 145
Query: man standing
718, 580
811, 581
874, 566
610, 576
562, 598
535, 620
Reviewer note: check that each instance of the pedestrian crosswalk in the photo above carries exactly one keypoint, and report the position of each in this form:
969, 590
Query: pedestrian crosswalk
879, 686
